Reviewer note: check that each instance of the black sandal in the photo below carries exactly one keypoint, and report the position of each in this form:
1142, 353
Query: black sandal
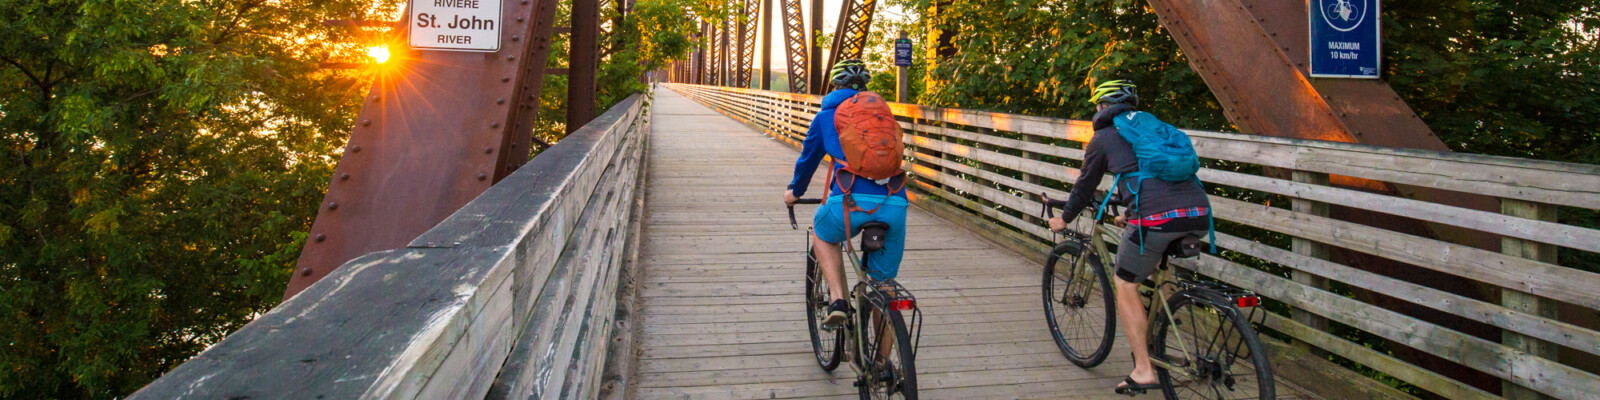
1136, 388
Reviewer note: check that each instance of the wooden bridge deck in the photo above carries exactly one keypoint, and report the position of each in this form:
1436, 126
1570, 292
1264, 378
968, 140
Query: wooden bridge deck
721, 290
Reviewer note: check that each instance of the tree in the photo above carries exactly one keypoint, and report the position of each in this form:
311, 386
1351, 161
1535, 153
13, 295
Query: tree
1039, 57
162, 160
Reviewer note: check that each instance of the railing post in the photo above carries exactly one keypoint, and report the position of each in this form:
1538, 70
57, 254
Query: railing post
1310, 249
902, 83
1526, 302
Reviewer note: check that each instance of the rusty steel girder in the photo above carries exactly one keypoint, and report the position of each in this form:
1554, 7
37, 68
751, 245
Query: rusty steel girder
747, 42
850, 35
797, 51
699, 55
437, 128
716, 56
584, 62
766, 45
818, 85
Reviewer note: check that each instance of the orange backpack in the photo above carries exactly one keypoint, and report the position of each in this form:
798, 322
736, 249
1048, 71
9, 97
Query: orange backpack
870, 137
873, 149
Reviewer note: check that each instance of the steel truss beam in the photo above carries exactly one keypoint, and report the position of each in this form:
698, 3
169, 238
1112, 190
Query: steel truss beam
723, 43
794, 42
747, 42
715, 55
850, 36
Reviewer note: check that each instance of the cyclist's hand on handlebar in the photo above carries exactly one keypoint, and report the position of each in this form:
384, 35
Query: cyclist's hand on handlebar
1058, 224
1120, 221
788, 197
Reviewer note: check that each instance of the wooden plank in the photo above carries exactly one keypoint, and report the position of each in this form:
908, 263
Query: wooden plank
1532, 229
1567, 184
1502, 317
1423, 378
1553, 281
622, 360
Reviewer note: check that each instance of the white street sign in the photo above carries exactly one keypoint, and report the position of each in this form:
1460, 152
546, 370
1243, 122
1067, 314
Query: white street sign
460, 25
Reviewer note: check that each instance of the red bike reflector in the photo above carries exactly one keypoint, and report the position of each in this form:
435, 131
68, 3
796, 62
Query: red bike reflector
903, 305
1248, 301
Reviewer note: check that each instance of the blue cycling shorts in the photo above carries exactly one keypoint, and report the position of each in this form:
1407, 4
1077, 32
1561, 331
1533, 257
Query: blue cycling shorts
829, 226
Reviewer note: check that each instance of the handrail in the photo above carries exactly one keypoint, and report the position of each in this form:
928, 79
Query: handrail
472, 307
983, 165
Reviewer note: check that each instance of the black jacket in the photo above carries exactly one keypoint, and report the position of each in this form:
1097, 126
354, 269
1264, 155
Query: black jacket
1108, 152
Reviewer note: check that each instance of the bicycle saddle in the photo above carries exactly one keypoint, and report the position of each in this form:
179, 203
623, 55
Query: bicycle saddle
1186, 247
873, 235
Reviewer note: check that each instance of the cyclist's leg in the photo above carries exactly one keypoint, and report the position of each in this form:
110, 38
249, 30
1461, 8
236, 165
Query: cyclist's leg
1132, 269
1134, 266
885, 264
828, 225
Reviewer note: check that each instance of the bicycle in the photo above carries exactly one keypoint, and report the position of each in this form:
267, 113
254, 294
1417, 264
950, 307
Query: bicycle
1196, 334
863, 332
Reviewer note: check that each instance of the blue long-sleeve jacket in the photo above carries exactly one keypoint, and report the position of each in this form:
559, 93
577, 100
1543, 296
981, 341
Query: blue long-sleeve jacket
823, 139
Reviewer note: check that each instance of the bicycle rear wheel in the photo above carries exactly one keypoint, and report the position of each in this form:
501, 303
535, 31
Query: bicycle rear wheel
896, 376
824, 343
1214, 351
1078, 305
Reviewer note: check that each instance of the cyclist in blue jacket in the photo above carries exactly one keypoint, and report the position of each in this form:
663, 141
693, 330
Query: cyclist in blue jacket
848, 78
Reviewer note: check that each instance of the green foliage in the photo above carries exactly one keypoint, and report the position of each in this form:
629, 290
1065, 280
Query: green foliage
160, 161
1038, 57
1500, 77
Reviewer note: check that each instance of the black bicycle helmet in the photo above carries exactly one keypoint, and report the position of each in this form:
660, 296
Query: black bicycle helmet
1114, 92
850, 73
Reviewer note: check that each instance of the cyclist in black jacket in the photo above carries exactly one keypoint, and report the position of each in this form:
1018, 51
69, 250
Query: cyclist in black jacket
1179, 209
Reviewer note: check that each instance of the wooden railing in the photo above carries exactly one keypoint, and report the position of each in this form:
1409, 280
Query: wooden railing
514, 296
984, 167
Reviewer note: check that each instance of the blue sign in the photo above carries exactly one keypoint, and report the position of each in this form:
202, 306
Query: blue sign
902, 52
1345, 41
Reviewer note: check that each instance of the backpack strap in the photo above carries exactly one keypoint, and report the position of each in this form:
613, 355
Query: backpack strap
1135, 186
897, 184
1102, 210
1211, 218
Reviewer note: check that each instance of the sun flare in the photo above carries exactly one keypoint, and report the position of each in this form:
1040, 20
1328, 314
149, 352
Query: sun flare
379, 54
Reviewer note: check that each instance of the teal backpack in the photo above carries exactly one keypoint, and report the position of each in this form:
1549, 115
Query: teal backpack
1164, 153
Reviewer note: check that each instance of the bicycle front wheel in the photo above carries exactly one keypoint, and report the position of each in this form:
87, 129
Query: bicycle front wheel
824, 343
892, 375
1213, 351
1078, 305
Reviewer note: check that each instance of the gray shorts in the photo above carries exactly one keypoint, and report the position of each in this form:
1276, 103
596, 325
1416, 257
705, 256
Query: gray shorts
1135, 266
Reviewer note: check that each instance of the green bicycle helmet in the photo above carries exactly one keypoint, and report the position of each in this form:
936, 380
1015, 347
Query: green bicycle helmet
850, 73
1114, 92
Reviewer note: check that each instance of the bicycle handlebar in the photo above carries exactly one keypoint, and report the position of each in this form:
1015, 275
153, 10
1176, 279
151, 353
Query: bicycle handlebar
1050, 204
793, 223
